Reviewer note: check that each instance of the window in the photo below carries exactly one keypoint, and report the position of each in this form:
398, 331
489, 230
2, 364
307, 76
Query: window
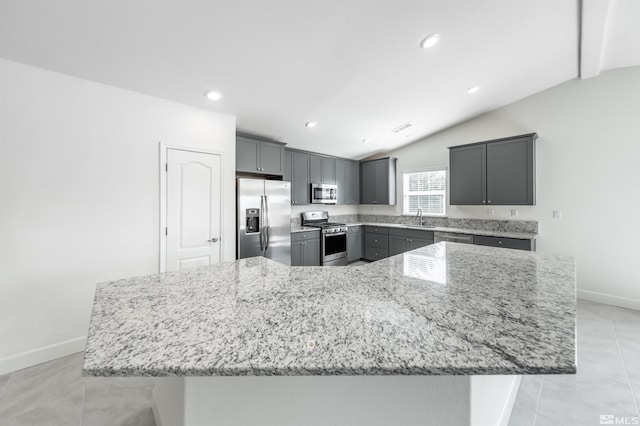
426, 191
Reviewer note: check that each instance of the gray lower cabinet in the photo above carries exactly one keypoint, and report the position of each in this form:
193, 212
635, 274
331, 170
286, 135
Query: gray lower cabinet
305, 248
403, 240
496, 172
512, 243
378, 181
297, 172
354, 243
322, 169
259, 156
376, 242
348, 182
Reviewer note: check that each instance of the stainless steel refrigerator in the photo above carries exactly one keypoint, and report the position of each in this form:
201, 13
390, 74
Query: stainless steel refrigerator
264, 219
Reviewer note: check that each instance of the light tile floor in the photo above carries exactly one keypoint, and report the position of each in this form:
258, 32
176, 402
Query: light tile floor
607, 383
608, 378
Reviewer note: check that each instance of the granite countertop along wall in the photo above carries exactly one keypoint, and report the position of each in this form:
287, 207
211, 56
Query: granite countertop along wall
523, 229
442, 309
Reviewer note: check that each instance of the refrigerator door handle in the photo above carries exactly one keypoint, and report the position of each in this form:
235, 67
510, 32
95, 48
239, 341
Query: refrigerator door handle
266, 204
261, 218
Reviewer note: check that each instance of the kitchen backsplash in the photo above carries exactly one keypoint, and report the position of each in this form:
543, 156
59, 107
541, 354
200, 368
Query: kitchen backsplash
524, 226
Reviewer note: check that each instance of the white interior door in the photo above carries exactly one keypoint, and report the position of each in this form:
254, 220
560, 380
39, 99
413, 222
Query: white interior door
193, 209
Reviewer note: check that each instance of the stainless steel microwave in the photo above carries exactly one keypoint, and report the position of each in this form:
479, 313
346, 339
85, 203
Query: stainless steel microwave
321, 193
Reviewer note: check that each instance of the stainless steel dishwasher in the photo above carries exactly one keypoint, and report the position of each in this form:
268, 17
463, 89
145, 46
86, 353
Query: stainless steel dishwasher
452, 238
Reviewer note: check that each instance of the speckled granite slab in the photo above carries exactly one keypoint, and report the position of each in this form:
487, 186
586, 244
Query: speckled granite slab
443, 309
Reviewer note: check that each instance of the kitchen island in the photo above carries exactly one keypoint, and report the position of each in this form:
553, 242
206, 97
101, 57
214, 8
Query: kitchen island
393, 341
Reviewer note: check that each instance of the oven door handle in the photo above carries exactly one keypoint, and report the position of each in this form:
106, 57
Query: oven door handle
335, 234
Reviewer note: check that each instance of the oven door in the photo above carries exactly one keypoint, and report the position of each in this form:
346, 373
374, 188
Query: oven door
334, 246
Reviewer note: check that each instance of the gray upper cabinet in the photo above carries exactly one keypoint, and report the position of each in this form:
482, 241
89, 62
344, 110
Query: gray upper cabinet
297, 172
378, 181
468, 183
496, 172
322, 169
511, 172
348, 181
258, 156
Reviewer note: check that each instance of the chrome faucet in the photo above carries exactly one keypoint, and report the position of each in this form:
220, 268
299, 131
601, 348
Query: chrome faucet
419, 214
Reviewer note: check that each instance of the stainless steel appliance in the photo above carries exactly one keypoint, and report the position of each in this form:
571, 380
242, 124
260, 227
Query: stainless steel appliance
453, 238
264, 219
322, 193
333, 238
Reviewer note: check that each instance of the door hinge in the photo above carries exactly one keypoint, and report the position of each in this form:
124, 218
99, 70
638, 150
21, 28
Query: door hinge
166, 231
166, 167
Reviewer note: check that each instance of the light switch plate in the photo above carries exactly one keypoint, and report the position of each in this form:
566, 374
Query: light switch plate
557, 214
514, 212
490, 212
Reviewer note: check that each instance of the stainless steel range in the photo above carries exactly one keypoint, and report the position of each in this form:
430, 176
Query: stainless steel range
333, 239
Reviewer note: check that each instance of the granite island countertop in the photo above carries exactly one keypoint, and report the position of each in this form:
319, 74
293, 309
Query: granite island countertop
442, 309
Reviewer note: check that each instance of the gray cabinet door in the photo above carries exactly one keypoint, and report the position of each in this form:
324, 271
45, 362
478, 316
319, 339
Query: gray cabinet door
467, 177
415, 243
315, 169
510, 172
342, 181
367, 182
378, 181
296, 253
287, 173
329, 171
271, 158
353, 183
354, 244
381, 182
300, 179
311, 252
247, 155
398, 245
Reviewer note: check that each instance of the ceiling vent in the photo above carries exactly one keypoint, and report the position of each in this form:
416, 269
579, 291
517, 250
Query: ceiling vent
400, 127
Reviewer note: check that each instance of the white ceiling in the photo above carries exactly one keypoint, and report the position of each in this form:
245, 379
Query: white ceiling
354, 66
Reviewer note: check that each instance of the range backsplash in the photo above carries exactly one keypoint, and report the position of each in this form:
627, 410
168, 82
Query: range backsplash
524, 226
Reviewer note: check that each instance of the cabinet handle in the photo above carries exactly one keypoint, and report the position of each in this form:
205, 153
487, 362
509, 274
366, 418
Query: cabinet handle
484, 202
489, 201
500, 242
375, 241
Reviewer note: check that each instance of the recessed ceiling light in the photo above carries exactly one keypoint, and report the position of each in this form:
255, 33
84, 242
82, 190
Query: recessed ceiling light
400, 127
473, 89
213, 95
430, 40
366, 140
311, 124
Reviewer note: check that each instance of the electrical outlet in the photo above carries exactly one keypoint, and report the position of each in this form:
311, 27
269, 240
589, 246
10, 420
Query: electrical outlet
557, 214
490, 212
514, 212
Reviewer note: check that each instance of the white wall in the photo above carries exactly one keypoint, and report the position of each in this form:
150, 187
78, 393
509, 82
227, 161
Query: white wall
79, 199
588, 166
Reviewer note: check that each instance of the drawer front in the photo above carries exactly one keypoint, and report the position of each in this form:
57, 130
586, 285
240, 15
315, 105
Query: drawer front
304, 235
376, 240
372, 253
377, 230
411, 233
512, 243
354, 229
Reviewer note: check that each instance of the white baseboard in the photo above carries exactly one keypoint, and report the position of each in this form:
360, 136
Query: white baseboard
607, 299
42, 354
511, 401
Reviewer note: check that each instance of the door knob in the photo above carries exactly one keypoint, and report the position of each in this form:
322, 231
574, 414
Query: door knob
213, 240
